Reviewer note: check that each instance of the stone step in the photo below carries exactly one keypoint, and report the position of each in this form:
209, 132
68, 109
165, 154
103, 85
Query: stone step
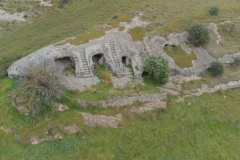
87, 71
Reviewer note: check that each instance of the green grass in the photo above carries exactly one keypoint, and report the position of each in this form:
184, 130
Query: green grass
180, 57
229, 40
231, 73
104, 89
207, 129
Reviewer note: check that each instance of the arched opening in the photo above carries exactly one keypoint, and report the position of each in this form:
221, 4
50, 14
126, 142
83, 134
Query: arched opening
124, 60
97, 59
65, 65
165, 45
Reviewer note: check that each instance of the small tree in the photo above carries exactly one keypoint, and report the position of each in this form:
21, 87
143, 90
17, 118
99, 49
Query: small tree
38, 90
198, 35
213, 11
157, 68
216, 68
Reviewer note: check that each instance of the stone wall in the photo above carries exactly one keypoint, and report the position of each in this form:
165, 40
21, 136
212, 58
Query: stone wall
123, 100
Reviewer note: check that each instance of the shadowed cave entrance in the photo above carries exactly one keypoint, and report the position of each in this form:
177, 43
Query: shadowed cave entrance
65, 65
97, 59
124, 60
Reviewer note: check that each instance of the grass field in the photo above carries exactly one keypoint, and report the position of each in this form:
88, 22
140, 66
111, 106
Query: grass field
231, 73
81, 16
205, 127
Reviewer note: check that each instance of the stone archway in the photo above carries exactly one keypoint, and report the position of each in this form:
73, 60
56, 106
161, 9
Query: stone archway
65, 65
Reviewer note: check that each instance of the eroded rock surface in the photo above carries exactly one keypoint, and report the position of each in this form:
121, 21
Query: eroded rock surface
5, 16
102, 120
71, 129
150, 106
36, 140
60, 107
121, 101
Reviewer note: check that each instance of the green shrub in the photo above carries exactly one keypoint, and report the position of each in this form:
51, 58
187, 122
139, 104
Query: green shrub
216, 68
157, 68
3, 73
198, 35
237, 61
213, 11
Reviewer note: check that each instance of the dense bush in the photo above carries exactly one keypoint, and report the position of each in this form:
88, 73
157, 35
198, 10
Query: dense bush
157, 68
198, 35
213, 11
237, 61
216, 68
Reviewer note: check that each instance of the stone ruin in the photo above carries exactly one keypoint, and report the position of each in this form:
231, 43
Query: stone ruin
117, 52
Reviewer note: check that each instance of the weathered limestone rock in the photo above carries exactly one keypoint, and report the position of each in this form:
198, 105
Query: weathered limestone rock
36, 140
121, 101
150, 106
59, 107
156, 46
5, 16
102, 120
71, 129
228, 59
121, 82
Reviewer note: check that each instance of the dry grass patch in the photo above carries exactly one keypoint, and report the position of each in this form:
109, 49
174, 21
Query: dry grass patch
181, 58
137, 33
121, 28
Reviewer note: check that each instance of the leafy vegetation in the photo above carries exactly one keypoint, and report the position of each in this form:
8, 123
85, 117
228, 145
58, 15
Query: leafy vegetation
198, 35
216, 68
213, 11
157, 68
38, 91
180, 57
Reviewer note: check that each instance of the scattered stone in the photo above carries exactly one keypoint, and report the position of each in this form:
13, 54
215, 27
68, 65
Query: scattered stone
23, 110
4, 16
71, 129
103, 26
36, 140
102, 120
6, 130
150, 106
46, 3
136, 22
60, 107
